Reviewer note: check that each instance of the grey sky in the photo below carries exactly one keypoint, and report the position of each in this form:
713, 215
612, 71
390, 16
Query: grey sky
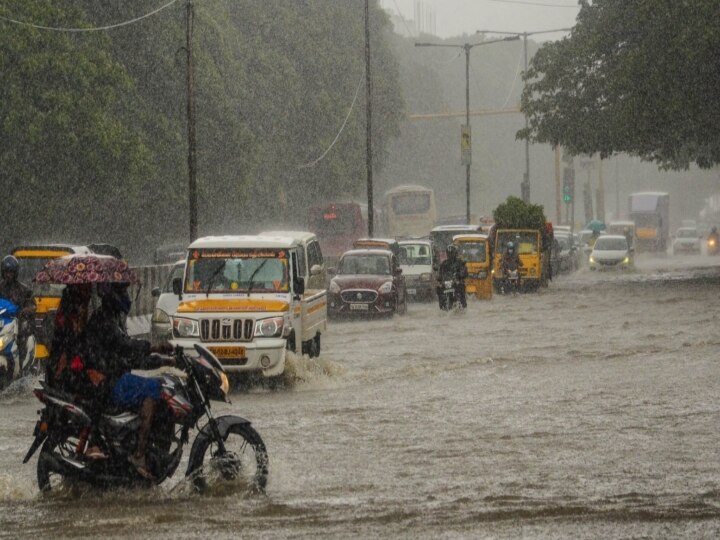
456, 17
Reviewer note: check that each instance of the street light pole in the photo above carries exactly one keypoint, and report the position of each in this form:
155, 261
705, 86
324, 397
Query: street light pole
467, 47
525, 186
368, 125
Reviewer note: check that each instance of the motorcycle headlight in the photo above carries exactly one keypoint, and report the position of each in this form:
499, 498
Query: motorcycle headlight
425, 277
184, 328
159, 316
334, 287
592, 259
270, 327
386, 287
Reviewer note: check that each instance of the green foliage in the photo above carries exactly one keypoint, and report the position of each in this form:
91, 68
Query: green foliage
514, 213
639, 77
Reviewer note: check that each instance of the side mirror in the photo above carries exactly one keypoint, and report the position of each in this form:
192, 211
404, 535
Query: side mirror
155, 291
299, 285
397, 271
177, 286
315, 270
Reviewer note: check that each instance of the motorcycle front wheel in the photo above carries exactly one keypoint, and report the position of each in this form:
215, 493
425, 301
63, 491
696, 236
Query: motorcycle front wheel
243, 464
48, 478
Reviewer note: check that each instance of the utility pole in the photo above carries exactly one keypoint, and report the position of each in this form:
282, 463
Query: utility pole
192, 152
368, 101
465, 132
525, 186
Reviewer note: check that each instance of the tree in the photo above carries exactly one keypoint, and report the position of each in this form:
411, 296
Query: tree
639, 77
515, 213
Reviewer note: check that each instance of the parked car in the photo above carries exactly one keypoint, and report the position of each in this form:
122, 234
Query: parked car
687, 240
367, 282
416, 259
611, 252
166, 305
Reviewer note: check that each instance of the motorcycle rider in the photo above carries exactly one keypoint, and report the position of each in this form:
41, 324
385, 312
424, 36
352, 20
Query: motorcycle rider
115, 354
510, 260
454, 267
22, 297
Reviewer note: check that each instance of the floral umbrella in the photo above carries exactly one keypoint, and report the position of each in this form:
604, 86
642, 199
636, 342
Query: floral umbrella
76, 269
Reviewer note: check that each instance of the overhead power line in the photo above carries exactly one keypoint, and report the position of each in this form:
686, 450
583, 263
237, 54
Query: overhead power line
540, 4
91, 29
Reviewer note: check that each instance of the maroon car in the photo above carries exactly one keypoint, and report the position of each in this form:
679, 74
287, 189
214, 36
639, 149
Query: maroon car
367, 282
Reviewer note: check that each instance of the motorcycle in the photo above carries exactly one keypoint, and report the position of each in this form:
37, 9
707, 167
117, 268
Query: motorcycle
226, 448
11, 365
451, 291
713, 247
511, 280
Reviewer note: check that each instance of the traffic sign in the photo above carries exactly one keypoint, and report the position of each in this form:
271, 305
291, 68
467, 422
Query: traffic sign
465, 145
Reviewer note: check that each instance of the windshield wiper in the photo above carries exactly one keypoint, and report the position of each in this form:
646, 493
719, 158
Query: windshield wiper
219, 269
252, 276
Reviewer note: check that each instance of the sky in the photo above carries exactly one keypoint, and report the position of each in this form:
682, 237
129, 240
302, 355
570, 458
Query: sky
457, 17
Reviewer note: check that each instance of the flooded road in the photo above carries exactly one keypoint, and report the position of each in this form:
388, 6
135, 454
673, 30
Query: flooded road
587, 410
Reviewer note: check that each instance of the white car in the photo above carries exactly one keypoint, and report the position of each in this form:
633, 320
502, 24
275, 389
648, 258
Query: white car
687, 240
167, 304
416, 259
611, 252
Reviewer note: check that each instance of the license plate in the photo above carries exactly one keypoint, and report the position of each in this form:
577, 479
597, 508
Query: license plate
228, 352
449, 291
412, 291
358, 307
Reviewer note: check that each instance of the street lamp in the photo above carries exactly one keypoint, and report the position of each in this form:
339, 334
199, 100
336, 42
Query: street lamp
466, 137
525, 187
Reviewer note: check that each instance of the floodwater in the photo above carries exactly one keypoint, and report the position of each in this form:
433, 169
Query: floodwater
587, 410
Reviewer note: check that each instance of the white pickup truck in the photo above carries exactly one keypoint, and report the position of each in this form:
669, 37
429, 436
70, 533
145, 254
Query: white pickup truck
244, 298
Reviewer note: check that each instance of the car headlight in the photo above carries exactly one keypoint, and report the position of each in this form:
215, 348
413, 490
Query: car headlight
159, 316
270, 327
334, 287
185, 327
386, 287
626, 260
425, 277
592, 259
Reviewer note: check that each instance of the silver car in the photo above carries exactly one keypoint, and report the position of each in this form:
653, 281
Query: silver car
167, 303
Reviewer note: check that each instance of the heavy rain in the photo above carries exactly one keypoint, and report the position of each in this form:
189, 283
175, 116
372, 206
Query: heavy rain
407, 269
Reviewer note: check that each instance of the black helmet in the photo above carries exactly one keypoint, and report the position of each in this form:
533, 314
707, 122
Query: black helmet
115, 297
510, 246
9, 264
451, 251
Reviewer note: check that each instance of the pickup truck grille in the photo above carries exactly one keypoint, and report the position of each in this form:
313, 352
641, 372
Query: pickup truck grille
226, 329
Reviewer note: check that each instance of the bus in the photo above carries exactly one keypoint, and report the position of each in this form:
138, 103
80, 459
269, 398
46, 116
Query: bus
337, 225
409, 211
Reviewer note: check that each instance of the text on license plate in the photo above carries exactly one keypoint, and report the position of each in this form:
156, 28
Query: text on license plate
228, 352
358, 307
412, 291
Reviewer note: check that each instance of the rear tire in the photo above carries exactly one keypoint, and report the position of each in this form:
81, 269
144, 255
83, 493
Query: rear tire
246, 459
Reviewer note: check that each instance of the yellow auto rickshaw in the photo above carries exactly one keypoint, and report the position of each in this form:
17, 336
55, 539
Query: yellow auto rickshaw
474, 250
528, 243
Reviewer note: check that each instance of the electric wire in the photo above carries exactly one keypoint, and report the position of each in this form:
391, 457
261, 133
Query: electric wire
91, 29
539, 4
337, 137
517, 72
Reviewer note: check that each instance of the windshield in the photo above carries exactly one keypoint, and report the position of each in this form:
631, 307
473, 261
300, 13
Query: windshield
472, 251
29, 267
525, 242
365, 264
414, 254
411, 203
442, 239
237, 270
611, 244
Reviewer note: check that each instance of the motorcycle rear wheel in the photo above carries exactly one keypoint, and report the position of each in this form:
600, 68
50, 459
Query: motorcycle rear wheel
245, 461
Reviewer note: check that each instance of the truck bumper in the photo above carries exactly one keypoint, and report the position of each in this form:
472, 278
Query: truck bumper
266, 355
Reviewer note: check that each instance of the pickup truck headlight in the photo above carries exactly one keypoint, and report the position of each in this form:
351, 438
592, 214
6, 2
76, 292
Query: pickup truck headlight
159, 316
184, 328
386, 288
270, 327
334, 287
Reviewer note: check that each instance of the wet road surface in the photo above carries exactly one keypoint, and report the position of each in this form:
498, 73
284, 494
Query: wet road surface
588, 410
